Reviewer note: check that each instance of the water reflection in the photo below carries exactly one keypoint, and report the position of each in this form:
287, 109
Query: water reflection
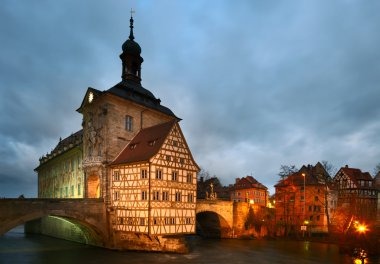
15, 247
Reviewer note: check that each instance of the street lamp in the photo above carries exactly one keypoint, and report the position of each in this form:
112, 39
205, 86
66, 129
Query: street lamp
304, 195
304, 199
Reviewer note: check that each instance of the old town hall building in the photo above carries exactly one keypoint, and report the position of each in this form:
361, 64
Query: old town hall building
131, 152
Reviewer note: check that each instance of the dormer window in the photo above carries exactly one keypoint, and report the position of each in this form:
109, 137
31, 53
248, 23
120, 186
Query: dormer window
152, 143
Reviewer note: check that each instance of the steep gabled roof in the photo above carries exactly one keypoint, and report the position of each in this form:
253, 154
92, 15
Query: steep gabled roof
297, 179
248, 182
356, 174
145, 144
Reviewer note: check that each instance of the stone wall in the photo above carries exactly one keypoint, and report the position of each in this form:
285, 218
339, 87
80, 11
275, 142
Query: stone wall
134, 241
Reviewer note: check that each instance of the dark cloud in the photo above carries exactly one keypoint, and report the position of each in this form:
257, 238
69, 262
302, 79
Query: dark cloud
257, 83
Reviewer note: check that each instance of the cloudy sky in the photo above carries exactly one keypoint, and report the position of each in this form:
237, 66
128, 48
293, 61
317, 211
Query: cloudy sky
257, 83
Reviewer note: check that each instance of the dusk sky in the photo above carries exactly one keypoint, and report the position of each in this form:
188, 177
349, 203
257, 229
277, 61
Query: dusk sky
257, 83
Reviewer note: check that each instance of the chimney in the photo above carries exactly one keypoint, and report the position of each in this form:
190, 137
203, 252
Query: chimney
202, 179
346, 166
237, 180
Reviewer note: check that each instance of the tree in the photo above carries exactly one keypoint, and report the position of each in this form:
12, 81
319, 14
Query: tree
286, 170
203, 173
329, 167
376, 170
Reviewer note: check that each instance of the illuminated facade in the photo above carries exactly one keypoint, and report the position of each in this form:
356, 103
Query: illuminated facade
302, 199
131, 153
248, 189
60, 174
357, 193
154, 178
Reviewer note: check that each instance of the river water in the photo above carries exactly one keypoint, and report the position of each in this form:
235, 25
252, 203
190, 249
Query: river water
16, 247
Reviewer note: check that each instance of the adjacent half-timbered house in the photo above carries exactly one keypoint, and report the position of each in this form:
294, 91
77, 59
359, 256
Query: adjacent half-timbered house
153, 183
357, 193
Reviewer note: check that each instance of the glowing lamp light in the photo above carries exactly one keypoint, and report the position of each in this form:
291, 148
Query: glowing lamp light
251, 201
361, 228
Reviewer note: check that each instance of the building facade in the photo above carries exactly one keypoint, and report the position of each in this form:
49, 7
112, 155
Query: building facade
248, 189
147, 192
60, 173
357, 193
303, 199
154, 183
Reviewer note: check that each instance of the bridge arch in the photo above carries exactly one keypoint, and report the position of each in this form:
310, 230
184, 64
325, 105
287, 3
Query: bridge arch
214, 218
212, 225
87, 216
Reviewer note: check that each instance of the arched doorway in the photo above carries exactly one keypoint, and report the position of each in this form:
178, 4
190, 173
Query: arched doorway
93, 186
212, 225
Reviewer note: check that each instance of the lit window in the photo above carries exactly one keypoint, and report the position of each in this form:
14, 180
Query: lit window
144, 174
165, 196
116, 175
144, 195
156, 195
177, 196
189, 178
128, 123
174, 176
159, 174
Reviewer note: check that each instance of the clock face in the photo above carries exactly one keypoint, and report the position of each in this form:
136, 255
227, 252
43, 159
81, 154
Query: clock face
90, 97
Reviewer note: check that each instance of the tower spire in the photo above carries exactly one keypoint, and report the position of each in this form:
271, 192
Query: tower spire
131, 57
131, 37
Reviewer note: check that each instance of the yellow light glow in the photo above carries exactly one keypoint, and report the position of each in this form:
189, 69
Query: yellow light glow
361, 228
306, 222
90, 97
251, 201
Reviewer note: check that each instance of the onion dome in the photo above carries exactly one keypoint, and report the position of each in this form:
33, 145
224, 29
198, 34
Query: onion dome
130, 46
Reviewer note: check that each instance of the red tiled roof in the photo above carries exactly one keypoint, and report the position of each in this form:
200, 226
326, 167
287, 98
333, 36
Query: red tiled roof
248, 182
357, 174
298, 179
145, 144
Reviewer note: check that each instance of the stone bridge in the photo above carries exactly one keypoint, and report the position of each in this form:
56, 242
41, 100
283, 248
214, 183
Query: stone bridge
218, 218
88, 214
215, 218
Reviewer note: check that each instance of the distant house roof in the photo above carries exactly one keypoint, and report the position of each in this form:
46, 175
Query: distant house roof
356, 175
145, 144
247, 183
314, 175
297, 179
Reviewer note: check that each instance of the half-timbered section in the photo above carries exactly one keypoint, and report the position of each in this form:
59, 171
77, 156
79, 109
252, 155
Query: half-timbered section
153, 183
356, 193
